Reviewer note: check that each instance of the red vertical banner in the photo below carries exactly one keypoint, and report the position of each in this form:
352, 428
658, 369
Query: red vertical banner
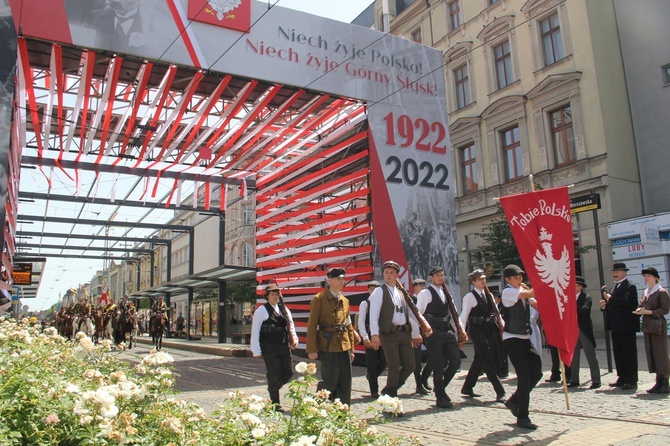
541, 224
233, 14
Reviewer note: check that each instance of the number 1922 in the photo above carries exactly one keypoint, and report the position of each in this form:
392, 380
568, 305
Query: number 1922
408, 171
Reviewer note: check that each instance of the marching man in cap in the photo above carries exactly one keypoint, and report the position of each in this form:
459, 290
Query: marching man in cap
443, 348
394, 327
619, 304
526, 360
479, 315
272, 337
331, 337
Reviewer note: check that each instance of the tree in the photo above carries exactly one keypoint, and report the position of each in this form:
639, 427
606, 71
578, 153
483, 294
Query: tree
498, 242
236, 292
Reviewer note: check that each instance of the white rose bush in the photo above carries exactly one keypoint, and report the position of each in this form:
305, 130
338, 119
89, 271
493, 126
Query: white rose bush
59, 392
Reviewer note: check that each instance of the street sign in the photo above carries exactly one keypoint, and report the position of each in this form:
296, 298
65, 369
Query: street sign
22, 273
584, 203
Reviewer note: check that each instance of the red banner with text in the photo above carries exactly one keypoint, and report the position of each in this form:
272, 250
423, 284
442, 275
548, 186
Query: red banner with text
542, 227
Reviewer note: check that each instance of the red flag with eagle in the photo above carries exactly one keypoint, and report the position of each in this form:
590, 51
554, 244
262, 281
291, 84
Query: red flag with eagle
233, 14
541, 224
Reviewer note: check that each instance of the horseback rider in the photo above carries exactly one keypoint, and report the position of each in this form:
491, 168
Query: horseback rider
124, 305
160, 308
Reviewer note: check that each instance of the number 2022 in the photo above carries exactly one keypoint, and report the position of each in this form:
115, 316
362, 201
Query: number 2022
408, 171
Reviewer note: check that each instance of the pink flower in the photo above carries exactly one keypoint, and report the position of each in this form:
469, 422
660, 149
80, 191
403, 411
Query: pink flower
51, 419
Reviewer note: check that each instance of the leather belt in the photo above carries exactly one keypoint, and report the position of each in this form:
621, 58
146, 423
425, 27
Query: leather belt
406, 328
480, 320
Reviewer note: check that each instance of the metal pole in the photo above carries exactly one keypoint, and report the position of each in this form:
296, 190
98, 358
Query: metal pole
596, 224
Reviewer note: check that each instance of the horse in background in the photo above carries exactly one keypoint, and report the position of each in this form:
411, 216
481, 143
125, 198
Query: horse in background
123, 325
157, 325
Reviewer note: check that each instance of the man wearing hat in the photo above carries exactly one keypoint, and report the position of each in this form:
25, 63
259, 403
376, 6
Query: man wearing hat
586, 340
273, 337
527, 363
419, 285
619, 305
443, 348
331, 338
394, 327
375, 359
479, 316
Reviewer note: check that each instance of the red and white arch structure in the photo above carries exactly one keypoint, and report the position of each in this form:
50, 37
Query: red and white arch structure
341, 131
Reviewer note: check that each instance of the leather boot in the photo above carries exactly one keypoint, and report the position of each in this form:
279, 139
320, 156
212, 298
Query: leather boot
656, 386
664, 387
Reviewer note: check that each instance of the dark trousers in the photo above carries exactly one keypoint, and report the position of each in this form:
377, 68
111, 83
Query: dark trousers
528, 368
399, 359
279, 367
502, 367
483, 339
418, 363
624, 346
376, 364
556, 364
336, 375
445, 359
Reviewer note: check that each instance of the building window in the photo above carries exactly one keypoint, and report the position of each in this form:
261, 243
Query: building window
503, 64
563, 138
469, 169
462, 86
248, 215
492, 2
511, 146
416, 35
455, 17
666, 74
248, 254
550, 34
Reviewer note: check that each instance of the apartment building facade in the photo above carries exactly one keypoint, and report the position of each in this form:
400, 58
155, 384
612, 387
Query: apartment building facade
535, 87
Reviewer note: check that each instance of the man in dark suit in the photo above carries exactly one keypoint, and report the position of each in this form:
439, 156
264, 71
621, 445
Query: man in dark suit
619, 305
119, 26
586, 340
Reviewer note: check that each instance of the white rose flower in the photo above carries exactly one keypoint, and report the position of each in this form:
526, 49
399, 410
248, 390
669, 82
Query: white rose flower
301, 367
257, 433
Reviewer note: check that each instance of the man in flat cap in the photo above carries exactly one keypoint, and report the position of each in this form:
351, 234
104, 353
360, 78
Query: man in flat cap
375, 359
619, 304
331, 337
527, 363
394, 327
443, 348
479, 315
419, 285
586, 340
273, 337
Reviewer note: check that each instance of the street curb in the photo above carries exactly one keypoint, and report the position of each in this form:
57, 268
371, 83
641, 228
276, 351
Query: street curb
217, 349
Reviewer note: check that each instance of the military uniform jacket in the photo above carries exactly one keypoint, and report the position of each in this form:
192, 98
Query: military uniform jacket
159, 307
327, 311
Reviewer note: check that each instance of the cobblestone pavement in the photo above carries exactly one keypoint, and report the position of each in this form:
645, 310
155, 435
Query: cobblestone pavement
606, 416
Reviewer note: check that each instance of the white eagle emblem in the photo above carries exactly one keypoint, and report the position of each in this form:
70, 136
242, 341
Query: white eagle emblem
223, 6
554, 272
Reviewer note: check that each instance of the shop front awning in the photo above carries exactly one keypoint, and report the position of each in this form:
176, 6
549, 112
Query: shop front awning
201, 281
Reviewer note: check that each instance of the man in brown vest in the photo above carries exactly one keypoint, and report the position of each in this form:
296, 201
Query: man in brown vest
394, 327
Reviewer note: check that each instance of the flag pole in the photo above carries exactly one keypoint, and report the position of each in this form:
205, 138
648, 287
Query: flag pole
565, 384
